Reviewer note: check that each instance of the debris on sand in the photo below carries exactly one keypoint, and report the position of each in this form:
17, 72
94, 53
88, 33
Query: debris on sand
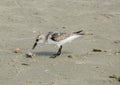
17, 50
25, 64
115, 77
117, 42
64, 27
98, 50
70, 56
30, 55
117, 52
73, 56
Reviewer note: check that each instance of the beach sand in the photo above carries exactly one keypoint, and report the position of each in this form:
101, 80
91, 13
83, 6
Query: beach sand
88, 60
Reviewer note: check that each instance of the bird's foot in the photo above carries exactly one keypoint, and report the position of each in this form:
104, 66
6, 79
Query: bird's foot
58, 53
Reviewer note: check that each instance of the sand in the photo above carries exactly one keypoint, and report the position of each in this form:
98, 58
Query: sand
22, 20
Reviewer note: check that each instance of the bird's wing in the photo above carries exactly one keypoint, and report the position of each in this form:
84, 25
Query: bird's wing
57, 36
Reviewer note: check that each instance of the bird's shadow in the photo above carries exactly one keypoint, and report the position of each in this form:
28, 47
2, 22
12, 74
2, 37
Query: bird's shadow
44, 53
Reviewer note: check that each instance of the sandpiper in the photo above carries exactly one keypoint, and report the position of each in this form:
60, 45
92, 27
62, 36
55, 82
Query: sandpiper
57, 38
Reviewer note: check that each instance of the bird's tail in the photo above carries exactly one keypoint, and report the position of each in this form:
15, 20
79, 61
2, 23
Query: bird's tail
79, 32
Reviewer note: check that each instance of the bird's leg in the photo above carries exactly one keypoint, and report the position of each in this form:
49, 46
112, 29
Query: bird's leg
58, 53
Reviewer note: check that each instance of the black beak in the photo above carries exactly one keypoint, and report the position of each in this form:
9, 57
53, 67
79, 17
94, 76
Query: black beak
34, 45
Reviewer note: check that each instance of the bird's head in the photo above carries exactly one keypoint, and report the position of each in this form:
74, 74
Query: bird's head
39, 39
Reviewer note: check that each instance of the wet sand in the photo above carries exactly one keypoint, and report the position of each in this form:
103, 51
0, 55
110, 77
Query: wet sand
89, 60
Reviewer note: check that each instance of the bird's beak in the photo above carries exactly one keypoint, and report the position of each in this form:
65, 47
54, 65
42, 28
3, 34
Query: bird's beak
34, 45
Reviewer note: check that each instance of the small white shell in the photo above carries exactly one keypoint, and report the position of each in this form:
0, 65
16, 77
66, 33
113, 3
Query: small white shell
29, 55
17, 50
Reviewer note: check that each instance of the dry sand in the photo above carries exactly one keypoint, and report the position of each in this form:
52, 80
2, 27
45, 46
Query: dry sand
22, 20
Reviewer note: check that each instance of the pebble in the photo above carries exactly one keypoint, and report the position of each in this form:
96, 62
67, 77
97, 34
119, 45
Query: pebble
29, 55
17, 50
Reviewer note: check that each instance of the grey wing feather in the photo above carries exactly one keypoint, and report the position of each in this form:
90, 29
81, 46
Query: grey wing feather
59, 36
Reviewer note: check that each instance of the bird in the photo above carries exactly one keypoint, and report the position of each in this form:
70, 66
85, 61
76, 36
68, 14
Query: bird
57, 38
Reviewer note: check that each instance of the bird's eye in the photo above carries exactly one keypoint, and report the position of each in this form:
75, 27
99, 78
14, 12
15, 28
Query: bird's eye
37, 40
